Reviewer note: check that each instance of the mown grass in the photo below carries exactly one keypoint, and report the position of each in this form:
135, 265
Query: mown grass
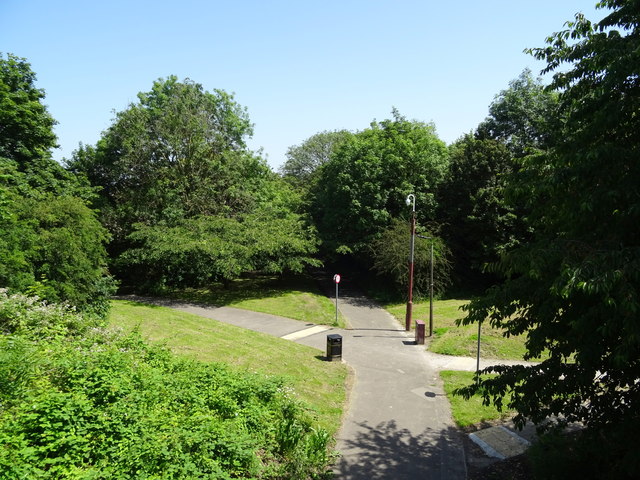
450, 339
297, 297
319, 384
471, 411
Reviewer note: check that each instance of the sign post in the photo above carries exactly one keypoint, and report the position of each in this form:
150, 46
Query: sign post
336, 280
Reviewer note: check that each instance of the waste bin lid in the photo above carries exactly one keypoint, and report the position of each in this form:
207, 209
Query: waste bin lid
334, 336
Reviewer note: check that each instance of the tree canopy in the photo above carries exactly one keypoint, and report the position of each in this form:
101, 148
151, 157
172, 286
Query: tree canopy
477, 221
177, 152
523, 116
26, 127
186, 202
573, 288
52, 244
304, 160
365, 183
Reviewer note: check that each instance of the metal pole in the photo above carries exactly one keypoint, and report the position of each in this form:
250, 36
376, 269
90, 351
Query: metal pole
431, 294
336, 303
411, 249
478, 358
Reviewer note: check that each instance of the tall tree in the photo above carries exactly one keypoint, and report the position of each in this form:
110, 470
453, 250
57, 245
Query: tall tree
304, 160
187, 203
523, 116
177, 152
478, 221
365, 183
51, 243
573, 289
26, 127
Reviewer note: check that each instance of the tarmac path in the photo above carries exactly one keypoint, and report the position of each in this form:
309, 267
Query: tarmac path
398, 422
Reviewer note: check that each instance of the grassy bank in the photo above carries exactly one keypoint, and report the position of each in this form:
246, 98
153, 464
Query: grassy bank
318, 383
471, 411
297, 297
450, 339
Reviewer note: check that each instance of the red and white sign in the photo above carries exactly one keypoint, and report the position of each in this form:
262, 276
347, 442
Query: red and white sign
336, 278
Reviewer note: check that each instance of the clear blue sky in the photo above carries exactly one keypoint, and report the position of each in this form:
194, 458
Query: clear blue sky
300, 67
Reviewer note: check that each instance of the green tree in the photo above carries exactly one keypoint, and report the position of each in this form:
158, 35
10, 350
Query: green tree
366, 181
26, 127
523, 117
390, 252
573, 288
198, 251
187, 203
51, 242
304, 160
477, 221
178, 152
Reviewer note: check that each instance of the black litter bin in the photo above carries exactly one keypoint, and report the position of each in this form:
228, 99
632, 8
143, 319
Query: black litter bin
334, 347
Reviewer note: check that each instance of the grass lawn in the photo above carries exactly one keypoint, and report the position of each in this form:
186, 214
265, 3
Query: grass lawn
449, 339
318, 383
472, 411
297, 297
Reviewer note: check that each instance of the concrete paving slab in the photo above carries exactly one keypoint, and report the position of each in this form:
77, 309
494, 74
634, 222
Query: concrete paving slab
306, 332
500, 442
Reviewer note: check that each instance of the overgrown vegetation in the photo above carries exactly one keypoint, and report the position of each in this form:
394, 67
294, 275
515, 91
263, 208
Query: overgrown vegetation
318, 384
77, 401
52, 244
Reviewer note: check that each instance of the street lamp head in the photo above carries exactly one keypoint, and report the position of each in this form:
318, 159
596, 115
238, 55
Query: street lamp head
411, 198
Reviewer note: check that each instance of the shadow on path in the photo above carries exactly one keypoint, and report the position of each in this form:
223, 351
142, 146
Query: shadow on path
386, 452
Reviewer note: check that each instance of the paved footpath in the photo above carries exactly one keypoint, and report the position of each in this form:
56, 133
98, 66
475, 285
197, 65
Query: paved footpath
398, 422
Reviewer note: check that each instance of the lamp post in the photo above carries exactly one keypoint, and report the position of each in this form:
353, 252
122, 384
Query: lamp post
411, 200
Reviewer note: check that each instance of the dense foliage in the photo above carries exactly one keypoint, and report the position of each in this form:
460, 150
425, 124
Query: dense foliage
304, 160
524, 117
79, 402
51, 242
573, 288
391, 250
26, 127
364, 184
178, 152
185, 201
198, 251
477, 220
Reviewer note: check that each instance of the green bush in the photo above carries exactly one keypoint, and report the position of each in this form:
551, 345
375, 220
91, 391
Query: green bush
108, 406
199, 251
37, 319
52, 246
590, 455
